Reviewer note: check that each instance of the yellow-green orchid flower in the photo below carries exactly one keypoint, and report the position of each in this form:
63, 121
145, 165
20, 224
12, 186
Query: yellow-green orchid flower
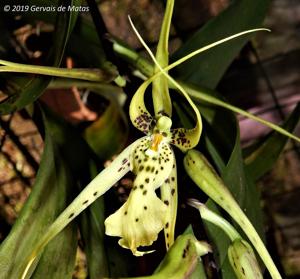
144, 215
151, 159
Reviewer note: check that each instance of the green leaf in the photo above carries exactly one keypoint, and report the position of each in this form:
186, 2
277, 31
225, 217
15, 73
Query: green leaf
92, 231
49, 196
208, 68
109, 130
27, 90
83, 166
80, 166
261, 156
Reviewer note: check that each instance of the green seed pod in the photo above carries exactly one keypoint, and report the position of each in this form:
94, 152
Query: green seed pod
243, 260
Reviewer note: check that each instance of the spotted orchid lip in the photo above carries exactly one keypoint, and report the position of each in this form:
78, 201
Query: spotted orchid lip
144, 215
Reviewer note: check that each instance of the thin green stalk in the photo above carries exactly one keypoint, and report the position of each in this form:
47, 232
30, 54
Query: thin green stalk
83, 74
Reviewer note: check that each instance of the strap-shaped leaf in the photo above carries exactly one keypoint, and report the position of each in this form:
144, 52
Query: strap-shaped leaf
49, 196
208, 69
260, 158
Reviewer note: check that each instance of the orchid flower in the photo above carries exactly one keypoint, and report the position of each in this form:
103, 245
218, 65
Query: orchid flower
144, 215
150, 158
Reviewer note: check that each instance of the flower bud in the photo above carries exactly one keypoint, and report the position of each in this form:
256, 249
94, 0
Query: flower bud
243, 260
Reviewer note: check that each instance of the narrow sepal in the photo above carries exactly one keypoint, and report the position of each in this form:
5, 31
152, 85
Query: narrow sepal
160, 88
169, 196
139, 115
192, 135
97, 187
